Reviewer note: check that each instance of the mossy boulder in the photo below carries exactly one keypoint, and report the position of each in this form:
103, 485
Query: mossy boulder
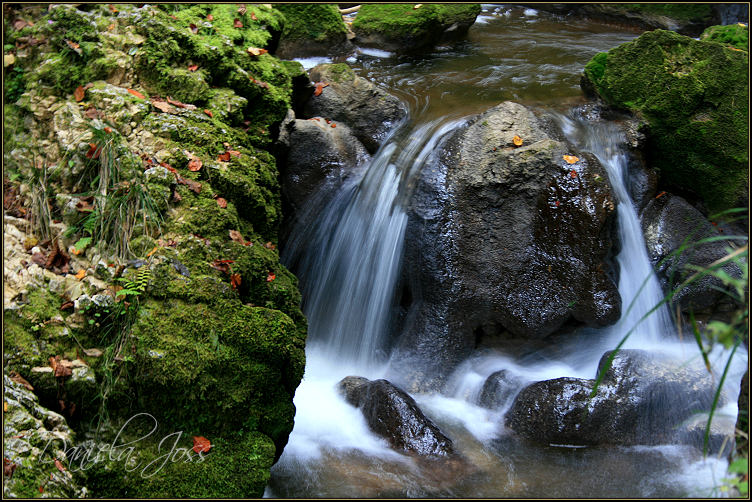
693, 96
735, 35
405, 28
311, 30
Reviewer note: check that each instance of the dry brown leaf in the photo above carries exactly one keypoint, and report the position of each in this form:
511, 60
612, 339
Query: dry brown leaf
517, 140
237, 24
269, 245
209, 113
253, 16
192, 185
91, 113
161, 105
195, 164
255, 51
224, 157
201, 444
58, 463
19, 379
76, 47
237, 237
78, 94
93, 352
234, 153
222, 203
242, 9
194, 28
235, 281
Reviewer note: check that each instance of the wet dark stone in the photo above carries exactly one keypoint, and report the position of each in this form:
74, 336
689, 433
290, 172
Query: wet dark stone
499, 388
393, 414
644, 398
668, 223
503, 235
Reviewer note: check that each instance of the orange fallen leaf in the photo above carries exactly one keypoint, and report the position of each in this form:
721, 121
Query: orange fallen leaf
224, 157
235, 281
78, 94
209, 113
334, 125
5, 406
137, 94
256, 51
270, 277
660, 195
253, 16
517, 140
113, 9
319, 87
556, 203
237, 24
222, 203
108, 130
195, 164
571, 159
59, 465
210, 17
76, 47
192, 185
573, 173
192, 67
152, 251
80, 275
94, 152
234, 153
269, 245
111, 27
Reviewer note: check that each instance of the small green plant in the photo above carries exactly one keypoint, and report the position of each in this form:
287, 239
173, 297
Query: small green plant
15, 84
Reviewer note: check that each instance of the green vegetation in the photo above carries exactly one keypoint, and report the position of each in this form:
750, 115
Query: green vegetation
735, 35
317, 22
403, 19
694, 97
687, 11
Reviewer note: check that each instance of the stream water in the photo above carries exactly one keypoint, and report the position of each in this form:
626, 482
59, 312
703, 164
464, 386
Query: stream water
349, 264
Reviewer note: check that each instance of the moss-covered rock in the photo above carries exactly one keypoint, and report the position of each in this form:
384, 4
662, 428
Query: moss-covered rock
311, 30
404, 28
735, 35
694, 97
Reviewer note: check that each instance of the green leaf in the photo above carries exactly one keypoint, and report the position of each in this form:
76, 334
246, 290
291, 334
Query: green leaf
82, 243
739, 465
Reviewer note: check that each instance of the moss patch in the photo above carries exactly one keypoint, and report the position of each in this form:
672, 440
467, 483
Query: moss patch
694, 96
317, 22
735, 35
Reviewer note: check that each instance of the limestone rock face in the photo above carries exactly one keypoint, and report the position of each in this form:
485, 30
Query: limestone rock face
505, 238
644, 398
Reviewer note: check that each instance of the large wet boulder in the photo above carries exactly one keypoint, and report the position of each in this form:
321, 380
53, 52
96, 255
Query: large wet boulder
391, 413
311, 30
313, 153
411, 27
342, 96
644, 398
503, 239
693, 96
672, 229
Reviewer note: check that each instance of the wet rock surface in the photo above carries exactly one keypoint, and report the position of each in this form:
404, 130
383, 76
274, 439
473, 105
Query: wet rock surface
669, 223
393, 414
644, 398
504, 238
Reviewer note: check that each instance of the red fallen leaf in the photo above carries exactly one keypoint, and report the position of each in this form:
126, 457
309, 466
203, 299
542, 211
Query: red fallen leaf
161, 105
94, 152
224, 157
137, 94
556, 203
19, 379
269, 245
192, 185
194, 164
59, 465
270, 277
222, 203
253, 16
8, 467
210, 18
194, 28
91, 113
334, 125
327, 121
319, 87
237, 24
237, 237
573, 173
235, 281
209, 113
108, 130
41, 489
74, 46
174, 17
78, 94
168, 167
201, 444
192, 67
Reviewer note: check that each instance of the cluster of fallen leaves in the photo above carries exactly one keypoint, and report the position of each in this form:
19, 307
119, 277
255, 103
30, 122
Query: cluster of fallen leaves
55, 258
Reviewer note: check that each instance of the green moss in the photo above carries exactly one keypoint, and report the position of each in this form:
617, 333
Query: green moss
694, 95
735, 35
234, 468
403, 19
686, 11
311, 21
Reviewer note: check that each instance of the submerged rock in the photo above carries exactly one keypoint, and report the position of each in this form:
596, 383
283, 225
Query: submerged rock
644, 398
503, 238
393, 414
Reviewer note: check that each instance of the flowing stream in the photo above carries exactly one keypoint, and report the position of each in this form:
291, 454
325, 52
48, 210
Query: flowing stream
348, 264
